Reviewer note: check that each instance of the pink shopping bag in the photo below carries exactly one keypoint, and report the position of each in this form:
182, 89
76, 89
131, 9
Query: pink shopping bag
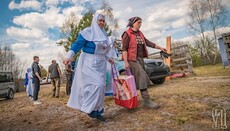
124, 89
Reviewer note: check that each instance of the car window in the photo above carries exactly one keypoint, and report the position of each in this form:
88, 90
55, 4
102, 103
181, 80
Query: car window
6, 77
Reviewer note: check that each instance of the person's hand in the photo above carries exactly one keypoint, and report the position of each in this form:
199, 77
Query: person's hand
40, 79
163, 49
127, 66
66, 61
111, 61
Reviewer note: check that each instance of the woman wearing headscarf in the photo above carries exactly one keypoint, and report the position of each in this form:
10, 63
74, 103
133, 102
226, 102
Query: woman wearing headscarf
88, 87
134, 50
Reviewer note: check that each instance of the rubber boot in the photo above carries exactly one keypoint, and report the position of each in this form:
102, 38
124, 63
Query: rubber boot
147, 101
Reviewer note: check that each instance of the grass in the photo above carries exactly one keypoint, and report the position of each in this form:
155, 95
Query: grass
192, 99
212, 70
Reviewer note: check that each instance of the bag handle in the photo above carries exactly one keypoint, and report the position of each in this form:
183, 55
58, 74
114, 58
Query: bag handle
128, 72
113, 74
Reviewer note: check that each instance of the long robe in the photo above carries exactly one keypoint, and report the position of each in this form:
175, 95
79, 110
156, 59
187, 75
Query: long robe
29, 87
88, 86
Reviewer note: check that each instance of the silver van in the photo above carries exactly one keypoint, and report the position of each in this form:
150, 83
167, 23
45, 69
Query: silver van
7, 87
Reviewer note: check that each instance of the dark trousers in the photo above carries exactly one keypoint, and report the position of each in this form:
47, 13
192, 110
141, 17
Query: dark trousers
68, 83
36, 88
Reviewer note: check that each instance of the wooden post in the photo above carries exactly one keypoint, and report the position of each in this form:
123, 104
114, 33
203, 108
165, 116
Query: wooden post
168, 47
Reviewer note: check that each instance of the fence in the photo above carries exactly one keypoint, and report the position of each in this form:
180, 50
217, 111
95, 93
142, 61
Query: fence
181, 60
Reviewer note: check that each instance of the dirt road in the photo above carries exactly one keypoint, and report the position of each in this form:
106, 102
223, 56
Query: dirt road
186, 104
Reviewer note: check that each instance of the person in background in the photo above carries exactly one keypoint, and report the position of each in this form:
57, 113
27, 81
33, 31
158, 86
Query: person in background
69, 78
37, 78
29, 86
134, 50
111, 72
26, 79
55, 74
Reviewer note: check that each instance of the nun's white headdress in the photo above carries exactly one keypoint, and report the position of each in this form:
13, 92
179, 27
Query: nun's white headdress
94, 32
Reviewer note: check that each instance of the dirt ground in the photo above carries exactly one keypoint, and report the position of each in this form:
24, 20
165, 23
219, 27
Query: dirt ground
186, 104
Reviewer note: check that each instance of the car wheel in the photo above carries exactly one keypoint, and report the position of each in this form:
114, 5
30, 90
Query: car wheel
159, 81
10, 94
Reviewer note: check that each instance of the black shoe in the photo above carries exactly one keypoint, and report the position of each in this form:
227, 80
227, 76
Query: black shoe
92, 116
101, 118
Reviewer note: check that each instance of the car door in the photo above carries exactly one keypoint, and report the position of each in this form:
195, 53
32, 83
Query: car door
10, 81
3, 83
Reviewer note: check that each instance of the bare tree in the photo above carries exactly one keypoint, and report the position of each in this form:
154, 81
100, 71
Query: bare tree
216, 13
111, 21
9, 62
61, 57
6, 58
19, 68
197, 23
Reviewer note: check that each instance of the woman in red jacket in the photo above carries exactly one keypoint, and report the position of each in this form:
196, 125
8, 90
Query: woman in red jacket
134, 50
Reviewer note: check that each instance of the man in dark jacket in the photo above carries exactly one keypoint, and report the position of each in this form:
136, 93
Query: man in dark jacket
37, 78
55, 74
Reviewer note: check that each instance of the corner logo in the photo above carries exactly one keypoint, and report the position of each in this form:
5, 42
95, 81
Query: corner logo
219, 118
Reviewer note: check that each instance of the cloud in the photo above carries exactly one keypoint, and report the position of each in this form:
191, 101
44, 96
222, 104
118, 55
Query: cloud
25, 4
52, 2
226, 3
20, 46
34, 30
23, 34
157, 17
219, 32
43, 21
175, 17
46, 52
33, 33
128, 10
73, 9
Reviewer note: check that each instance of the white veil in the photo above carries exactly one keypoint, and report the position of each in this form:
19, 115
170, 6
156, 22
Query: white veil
94, 32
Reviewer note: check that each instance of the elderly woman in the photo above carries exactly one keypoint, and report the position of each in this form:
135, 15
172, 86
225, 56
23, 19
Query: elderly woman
88, 88
134, 50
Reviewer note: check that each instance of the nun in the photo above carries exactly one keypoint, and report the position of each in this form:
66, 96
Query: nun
88, 88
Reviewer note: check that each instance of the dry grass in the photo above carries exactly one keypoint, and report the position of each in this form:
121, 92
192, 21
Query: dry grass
190, 100
212, 70
186, 104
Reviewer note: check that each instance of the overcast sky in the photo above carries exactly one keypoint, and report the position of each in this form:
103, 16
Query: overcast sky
32, 27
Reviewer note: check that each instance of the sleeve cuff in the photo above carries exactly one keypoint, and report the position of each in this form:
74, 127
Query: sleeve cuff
70, 54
